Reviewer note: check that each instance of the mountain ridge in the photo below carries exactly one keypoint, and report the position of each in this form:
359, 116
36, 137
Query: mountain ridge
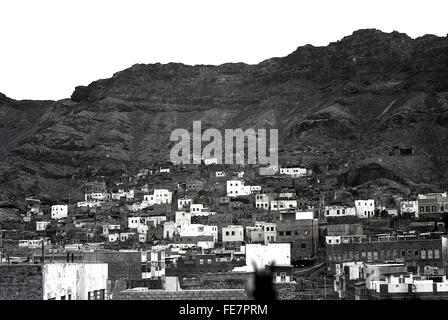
347, 103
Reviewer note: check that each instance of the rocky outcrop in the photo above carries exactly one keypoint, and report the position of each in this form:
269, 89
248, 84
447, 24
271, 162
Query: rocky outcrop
353, 100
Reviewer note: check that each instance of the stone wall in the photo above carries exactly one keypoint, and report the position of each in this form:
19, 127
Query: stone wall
182, 295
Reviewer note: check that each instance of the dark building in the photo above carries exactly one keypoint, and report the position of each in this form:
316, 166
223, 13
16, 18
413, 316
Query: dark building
303, 236
417, 252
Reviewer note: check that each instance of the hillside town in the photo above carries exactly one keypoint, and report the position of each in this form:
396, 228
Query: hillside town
200, 232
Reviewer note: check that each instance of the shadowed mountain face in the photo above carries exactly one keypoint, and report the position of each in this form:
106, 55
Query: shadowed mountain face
347, 104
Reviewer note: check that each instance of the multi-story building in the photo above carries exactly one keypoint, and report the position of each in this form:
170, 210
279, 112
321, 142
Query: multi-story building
269, 230
233, 233
303, 236
409, 206
59, 211
435, 203
263, 200
236, 188
418, 252
365, 208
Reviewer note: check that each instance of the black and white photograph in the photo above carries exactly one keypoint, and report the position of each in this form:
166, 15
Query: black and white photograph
223, 156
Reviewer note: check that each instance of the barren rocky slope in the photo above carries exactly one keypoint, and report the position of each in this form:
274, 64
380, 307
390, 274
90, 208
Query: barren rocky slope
346, 104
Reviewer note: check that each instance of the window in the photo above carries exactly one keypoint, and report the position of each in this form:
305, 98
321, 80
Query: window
283, 276
429, 253
288, 233
209, 261
303, 245
436, 254
201, 261
423, 253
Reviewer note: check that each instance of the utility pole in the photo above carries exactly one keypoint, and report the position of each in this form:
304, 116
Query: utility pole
325, 286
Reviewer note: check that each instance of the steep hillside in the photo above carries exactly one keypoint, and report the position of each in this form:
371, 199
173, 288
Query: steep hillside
348, 104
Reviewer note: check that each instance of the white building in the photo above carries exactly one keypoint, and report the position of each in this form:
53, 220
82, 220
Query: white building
296, 172
113, 237
170, 229
365, 208
126, 235
74, 281
183, 203
160, 196
108, 227
262, 255
262, 201
155, 220
269, 230
233, 233
409, 207
339, 211
42, 225
89, 204
304, 215
182, 218
332, 240
236, 188
59, 211
198, 230
255, 189
220, 174
277, 205
210, 161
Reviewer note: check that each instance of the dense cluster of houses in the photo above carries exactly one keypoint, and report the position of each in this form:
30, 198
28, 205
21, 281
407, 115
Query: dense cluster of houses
209, 219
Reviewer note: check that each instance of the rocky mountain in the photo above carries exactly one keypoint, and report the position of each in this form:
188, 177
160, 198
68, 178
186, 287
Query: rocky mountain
346, 105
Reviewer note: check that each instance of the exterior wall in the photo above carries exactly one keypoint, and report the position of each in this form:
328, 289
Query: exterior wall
254, 234
75, 279
283, 204
212, 294
344, 229
339, 211
433, 204
304, 215
269, 231
181, 203
261, 255
233, 234
409, 207
182, 218
365, 208
237, 188
414, 253
298, 172
197, 230
303, 236
42, 225
170, 229
121, 264
59, 211
262, 201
